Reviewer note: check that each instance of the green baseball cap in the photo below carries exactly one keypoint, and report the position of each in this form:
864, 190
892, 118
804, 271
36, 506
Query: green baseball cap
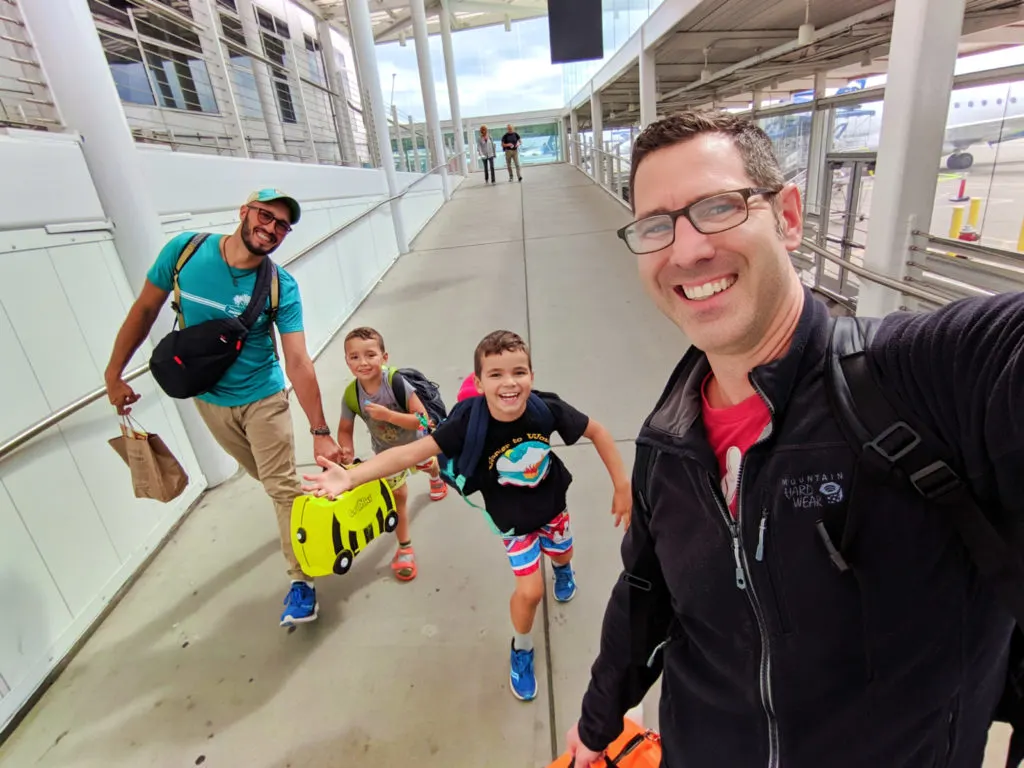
269, 194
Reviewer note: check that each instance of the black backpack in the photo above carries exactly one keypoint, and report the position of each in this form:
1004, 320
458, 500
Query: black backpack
890, 444
889, 447
427, 391
190, 361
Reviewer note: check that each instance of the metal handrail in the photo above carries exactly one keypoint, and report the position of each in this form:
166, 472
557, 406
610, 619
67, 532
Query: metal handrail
970, 247
624, 158
357, 218
33, 431
875, 277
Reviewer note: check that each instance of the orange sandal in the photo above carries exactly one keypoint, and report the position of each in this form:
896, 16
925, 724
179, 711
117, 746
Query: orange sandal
438, 489
404, 564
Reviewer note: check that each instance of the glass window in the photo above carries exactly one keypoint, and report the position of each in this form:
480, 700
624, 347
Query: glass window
125, 61
273, 24
158, 27
184, 7
243, 81
791, 138
274, 49
182, 81
983, 150
232, 29
857, 128
118, 16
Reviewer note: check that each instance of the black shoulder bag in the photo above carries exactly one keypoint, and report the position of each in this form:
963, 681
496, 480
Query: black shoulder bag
190, 361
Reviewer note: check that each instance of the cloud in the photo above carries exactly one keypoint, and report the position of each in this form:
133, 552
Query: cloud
497, 72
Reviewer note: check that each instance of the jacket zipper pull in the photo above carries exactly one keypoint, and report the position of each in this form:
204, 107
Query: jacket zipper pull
741, 579
759, 555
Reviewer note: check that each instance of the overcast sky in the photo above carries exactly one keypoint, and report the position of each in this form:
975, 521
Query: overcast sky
498, 72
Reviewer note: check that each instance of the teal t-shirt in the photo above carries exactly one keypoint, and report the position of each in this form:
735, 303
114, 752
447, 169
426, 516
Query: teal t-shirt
209, 292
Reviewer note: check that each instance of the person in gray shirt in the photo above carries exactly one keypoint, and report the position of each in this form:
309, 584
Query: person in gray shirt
485, 145
377, 395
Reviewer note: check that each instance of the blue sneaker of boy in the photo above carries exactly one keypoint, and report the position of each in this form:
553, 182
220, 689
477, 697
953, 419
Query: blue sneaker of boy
565, 583
300, 604
521, 678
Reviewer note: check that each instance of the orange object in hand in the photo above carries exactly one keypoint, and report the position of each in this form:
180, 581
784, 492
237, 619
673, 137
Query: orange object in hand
634, 748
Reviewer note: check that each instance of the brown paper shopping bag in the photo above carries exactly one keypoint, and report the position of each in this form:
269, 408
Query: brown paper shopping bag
156, 474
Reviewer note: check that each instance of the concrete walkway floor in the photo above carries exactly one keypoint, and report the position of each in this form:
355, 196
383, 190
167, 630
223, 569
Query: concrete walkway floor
191, 668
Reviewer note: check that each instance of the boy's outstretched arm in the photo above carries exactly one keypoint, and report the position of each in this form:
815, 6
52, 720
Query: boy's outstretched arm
622, 501
336, 480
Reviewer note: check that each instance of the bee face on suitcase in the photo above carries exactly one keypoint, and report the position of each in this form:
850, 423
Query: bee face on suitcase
327, 535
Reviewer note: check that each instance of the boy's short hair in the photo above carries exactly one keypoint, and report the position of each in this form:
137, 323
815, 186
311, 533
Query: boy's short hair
497, 342
366, 334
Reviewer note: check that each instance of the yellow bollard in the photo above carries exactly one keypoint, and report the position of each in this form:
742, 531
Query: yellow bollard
957, 222
974, 213
1020, 239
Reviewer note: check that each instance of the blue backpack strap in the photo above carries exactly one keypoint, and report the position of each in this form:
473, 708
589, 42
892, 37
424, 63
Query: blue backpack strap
473, 448
464, 465
537, 408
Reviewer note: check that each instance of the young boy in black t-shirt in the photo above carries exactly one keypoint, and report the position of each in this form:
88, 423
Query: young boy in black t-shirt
523, 482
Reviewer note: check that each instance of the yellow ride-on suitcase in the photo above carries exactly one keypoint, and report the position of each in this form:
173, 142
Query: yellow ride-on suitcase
327, 535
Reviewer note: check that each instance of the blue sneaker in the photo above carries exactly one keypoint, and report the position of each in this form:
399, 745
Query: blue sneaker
565, 584
521, 678
300, 605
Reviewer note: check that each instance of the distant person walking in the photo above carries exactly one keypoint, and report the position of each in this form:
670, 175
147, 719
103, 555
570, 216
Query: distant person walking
485, 145
510, 143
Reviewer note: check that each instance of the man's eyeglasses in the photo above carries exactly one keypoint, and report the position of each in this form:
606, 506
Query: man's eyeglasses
281, 227
708, 216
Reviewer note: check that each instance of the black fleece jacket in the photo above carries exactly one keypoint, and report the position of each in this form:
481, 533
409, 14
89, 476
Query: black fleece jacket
897, 662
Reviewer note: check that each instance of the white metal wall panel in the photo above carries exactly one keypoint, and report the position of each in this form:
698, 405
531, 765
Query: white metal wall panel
20, 385
58, 511
27, 593
94, 300
54, 184
384, 236
37, 306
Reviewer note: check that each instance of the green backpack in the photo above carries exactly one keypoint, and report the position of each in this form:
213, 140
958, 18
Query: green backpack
427, 391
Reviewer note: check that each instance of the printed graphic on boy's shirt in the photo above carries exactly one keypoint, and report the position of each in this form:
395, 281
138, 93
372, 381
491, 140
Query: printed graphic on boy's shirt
525, 463
386, 431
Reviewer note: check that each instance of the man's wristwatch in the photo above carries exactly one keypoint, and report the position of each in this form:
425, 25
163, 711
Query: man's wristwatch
320, 431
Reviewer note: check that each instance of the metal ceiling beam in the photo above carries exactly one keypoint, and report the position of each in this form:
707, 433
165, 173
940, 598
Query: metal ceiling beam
396, 26
820, 36
501, 8
498, 10
997, 36
679, 71
730, 40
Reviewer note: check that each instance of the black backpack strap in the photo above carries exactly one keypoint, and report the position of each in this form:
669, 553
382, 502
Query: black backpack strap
909, 448
403, 398
265, 276
275, 300
186, 253
887, 439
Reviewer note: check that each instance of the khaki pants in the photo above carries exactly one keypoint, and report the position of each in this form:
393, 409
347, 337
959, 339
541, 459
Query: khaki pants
512, 156
259, 437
